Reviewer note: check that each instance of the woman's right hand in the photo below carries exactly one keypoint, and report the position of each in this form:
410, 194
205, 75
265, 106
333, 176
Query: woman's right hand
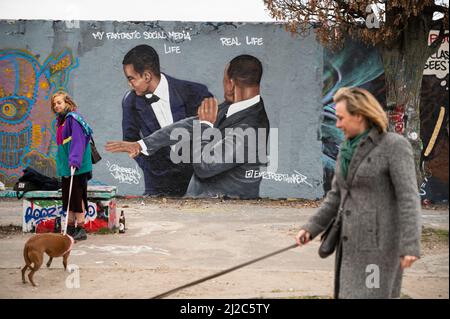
303, 237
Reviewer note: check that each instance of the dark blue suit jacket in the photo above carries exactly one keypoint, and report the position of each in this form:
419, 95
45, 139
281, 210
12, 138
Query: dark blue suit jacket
162, 177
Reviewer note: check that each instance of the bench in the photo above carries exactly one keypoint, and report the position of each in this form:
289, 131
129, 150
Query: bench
41, 208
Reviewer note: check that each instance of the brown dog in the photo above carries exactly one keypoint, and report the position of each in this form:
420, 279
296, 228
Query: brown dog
55, 245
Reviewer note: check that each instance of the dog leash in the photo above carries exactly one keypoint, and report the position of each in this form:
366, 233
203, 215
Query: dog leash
68, 202
223, 272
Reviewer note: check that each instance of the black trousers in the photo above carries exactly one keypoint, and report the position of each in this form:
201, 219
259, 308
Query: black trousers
79, 192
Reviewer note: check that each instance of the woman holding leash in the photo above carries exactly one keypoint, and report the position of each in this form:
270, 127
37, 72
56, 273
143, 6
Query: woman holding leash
375, 196
73, 159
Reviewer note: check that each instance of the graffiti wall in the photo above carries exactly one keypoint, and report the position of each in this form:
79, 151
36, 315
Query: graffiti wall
295, 108
39, 214
434, 124
354, 65
84, 58
27, 128
357, 65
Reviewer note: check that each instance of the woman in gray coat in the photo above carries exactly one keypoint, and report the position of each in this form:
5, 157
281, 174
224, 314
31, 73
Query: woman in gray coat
375, 193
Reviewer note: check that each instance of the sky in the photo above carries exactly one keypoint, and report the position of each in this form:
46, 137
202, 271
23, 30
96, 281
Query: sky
140, 10
137, 10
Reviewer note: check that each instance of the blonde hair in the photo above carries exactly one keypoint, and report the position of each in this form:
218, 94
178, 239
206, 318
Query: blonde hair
70, 104
361, 101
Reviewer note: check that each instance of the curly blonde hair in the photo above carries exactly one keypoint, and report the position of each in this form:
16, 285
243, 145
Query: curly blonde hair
70, 104
361, 101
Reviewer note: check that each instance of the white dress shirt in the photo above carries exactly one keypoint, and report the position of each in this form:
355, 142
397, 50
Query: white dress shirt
161, 108
234, 108
238, 106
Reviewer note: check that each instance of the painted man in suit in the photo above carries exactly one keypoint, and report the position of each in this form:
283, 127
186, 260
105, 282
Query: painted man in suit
231, 170
156, 101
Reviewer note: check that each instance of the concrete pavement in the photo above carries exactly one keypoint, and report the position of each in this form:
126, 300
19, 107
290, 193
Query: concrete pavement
171, 242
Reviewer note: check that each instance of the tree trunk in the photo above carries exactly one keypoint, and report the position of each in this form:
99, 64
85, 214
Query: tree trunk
404, 62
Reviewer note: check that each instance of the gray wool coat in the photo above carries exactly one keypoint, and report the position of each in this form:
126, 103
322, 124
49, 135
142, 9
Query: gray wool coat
380, 207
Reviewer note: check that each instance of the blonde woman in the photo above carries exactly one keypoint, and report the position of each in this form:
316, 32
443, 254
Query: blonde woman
73, 158
375, 194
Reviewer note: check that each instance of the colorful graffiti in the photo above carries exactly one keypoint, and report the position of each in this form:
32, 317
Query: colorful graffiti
397, 119
434, 124
27, 123
41, 214
435, 137
357, 65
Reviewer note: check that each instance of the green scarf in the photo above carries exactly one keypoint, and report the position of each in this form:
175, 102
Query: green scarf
348, 147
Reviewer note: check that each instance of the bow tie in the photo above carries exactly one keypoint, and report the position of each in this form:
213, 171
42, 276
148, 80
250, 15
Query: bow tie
154, 98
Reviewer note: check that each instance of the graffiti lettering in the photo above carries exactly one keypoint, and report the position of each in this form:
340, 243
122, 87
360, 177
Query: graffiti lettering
154, 35
171, 49
35, 213
98, 35
437, 63
234, 41
253, 41
296, 178
147, 35
39, 213
230, 41
123, 35
124, 174
179, 35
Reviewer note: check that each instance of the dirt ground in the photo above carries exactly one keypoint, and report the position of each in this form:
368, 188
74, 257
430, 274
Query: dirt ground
170, 242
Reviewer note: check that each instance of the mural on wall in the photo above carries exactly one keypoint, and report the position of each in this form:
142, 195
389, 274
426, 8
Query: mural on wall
434, 124
354, 65
129, 115
297, 87
27, 124
357, 65
39, 214
159, 104
174, 100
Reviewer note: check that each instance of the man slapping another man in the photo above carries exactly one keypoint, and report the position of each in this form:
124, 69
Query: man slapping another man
156, 101
228, 142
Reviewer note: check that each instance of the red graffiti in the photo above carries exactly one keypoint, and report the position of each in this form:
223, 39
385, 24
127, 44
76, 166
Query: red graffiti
397, 118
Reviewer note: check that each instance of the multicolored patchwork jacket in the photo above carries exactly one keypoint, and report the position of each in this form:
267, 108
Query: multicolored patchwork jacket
72, 137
